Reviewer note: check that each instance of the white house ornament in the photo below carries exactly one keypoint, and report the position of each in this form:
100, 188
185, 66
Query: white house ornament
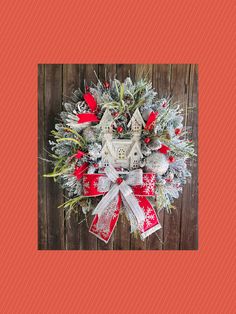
118, 148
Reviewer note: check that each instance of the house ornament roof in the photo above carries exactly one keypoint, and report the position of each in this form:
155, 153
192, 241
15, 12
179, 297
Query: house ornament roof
136, 116
107, 118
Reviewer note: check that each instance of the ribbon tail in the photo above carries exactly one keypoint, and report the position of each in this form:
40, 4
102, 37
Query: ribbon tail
104, 225
132, 201
151, 222
106, 200
130, 216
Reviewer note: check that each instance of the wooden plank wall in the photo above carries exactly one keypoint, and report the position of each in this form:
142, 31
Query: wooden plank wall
180, 229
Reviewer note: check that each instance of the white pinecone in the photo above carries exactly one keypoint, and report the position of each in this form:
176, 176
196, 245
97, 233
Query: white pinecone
89, 135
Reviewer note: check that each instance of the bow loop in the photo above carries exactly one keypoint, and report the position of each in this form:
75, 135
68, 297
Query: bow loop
111, 173
106, 200
135, 177
122, 186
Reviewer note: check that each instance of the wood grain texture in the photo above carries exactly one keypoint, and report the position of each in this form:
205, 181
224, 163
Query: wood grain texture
172, 222
42, 213
54, 195
88, 241
180, 229
189, 221
72, 78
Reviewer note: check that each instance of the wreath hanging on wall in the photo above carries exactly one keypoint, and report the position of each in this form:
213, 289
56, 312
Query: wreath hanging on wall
118, 148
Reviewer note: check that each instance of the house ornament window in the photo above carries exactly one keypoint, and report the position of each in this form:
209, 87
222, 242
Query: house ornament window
136, 126
121, 153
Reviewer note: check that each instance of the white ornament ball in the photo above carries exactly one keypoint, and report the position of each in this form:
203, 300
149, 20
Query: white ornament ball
157, 163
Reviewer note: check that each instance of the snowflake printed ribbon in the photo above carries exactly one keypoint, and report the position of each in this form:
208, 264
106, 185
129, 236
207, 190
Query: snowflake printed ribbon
132, 192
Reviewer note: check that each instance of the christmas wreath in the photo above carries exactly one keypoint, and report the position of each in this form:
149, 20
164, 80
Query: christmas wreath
118, 148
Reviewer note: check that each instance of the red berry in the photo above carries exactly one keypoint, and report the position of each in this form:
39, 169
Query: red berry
164, 149
177, 131
106, 85
87, 88
171, 159
119, 129
116, 114
147, 140
119, 180
95, 165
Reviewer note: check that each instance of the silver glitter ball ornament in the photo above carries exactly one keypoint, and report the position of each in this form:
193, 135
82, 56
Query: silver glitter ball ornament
157, 163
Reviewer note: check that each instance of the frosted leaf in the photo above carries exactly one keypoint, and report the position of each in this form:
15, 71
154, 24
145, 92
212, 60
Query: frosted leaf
155, 145
90, 134
68, 107
95, 151
146, 151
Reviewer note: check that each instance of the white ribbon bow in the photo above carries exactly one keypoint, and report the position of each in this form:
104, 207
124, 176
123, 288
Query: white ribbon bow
134, 177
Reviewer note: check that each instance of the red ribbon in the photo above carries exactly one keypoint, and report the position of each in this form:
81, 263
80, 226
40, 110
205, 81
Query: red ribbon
151, 223
151, 119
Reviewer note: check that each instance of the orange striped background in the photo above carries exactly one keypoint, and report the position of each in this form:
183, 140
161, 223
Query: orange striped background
121, 31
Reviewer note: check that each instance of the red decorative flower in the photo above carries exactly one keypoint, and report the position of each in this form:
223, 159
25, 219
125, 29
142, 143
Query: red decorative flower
87, 117
91, 102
